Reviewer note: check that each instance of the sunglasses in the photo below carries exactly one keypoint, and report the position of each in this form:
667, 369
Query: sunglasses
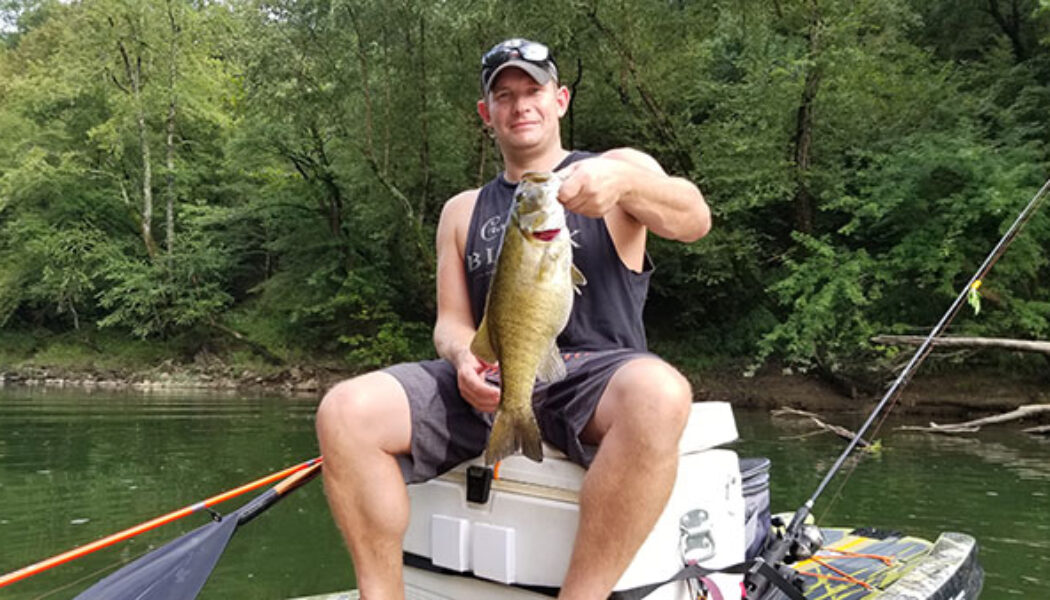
515, 48
534, 52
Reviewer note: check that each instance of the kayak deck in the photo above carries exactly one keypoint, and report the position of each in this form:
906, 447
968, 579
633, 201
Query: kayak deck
871, 564
853, 564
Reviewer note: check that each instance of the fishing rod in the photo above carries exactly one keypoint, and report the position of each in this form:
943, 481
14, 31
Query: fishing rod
782, 546
131, 532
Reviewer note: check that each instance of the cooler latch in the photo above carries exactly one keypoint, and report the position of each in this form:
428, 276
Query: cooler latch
697, 542
479, 484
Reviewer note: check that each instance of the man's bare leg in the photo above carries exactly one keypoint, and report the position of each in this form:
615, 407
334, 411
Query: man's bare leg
639, 421
362, 424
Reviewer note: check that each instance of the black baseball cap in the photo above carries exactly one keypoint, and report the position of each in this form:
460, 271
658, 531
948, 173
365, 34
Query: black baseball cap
532, 57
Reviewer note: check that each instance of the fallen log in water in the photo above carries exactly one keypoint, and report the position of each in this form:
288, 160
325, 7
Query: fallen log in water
842, 432
976, 424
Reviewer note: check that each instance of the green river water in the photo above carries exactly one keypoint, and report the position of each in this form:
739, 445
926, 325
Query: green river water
78, 465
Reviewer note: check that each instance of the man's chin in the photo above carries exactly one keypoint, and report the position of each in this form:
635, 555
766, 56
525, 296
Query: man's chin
523, 140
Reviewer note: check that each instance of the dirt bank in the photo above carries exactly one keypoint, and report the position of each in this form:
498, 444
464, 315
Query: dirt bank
961, 392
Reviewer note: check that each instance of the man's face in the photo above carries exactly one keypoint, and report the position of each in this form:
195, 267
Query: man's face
522, 112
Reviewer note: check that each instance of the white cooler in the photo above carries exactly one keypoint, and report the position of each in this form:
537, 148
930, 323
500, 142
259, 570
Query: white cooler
524, 534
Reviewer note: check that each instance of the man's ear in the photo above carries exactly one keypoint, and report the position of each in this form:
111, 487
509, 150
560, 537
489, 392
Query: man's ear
483, 112
561, 95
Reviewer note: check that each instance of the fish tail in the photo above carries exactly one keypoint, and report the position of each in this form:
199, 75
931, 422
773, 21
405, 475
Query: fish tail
512, 432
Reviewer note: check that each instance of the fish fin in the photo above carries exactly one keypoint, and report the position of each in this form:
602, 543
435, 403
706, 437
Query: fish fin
548, 260
578, 279
512, 432
552, 368
482, 345
552, 259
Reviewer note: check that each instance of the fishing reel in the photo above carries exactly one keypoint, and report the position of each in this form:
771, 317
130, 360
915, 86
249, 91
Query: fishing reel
801, 544
806, 542
769, 576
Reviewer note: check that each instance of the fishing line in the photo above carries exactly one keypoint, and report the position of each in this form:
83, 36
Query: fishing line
91, 575
893, 394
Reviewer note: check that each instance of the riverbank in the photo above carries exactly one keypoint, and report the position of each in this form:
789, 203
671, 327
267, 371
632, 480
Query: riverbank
956, 392
959, 392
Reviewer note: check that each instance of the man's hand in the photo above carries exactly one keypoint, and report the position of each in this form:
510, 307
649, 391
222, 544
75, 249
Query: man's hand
624, 180
470, 375
592, 187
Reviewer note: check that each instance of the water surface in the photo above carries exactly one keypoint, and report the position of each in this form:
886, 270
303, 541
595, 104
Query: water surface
78, 465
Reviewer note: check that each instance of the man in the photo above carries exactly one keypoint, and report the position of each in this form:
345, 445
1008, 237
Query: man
413, 421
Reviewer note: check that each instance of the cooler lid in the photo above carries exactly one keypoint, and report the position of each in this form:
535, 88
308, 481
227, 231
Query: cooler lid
710, 425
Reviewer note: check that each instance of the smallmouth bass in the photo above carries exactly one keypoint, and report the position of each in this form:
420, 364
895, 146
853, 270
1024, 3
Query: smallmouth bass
528, 305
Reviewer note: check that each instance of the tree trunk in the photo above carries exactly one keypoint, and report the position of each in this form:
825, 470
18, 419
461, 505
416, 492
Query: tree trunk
483, 150
366, 88
147, 188
572, 97
325, 174
169, 209
424, 138
1011, 26
134, 75
803, 141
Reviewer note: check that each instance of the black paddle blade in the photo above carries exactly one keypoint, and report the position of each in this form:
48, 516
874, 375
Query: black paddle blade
175, 571
178, 569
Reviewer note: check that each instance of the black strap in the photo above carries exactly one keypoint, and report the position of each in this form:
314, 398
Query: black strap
774, 577
695, 571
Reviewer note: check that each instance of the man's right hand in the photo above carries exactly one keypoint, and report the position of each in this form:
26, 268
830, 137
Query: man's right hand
475, 389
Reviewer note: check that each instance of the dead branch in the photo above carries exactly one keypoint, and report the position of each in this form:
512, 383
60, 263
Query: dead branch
966, 342
1020, 412
842, 432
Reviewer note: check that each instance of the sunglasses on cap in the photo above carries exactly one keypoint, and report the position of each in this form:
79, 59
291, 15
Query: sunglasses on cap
516, 49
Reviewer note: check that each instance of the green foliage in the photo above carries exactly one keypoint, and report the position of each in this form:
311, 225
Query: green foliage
829, 296
177, 293
68, 259
860, 159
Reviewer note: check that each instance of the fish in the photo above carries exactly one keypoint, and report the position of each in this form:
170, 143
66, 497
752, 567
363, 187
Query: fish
528, 304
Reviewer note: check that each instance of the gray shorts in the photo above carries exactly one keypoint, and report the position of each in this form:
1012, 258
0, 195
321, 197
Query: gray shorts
446, 430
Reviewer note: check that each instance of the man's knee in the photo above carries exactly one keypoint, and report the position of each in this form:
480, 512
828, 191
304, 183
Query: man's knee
369, 411
338, 406
655, 400
658, 389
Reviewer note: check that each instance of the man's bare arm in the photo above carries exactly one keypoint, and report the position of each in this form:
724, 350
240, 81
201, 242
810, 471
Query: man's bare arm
632, 181
454, 327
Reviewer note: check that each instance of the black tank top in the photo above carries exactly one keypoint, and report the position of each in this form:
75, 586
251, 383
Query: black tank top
608, 312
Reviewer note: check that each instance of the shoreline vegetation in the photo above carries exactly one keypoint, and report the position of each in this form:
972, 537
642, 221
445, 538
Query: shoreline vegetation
942, 389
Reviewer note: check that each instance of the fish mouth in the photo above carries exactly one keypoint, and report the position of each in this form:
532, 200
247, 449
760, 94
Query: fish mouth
537, 176
546, 235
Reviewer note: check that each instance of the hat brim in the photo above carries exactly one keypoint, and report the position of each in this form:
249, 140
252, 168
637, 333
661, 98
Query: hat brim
538, 73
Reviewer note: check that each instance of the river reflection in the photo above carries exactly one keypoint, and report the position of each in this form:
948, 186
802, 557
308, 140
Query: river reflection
78, 465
